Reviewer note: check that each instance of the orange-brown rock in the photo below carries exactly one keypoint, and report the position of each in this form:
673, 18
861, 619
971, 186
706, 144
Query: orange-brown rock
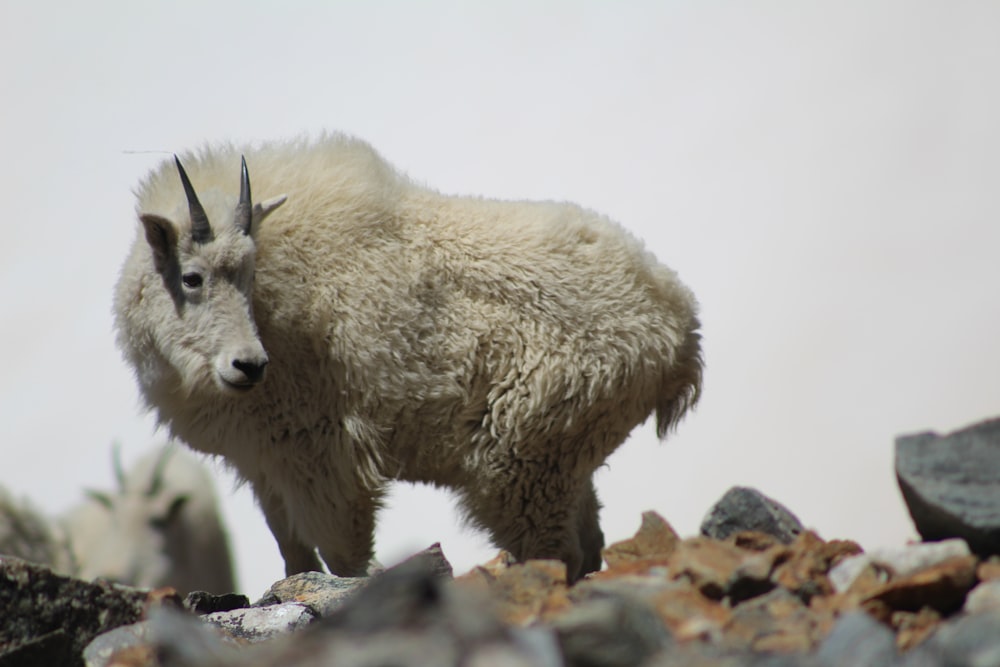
941, 587
989, 570
531, 591
753, 540
655, 540
912, 628
708, 565
807, 562
689, 614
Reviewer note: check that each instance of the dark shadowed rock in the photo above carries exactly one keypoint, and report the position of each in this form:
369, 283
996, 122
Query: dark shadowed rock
950, 484
201, 602
743, 509
43, 612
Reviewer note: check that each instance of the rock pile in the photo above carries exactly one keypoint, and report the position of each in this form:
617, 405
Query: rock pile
755, 589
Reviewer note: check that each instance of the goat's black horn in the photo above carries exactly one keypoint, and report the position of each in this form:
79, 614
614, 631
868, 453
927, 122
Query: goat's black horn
201, 231
244, 208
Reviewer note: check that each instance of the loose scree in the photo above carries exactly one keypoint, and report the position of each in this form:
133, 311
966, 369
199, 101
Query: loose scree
356, 327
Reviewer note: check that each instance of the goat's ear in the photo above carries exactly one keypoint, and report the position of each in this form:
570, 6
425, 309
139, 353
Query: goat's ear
101, 498
162, 238
264, 209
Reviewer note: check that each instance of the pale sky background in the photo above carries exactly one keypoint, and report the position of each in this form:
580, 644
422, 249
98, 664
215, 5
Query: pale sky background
824, 175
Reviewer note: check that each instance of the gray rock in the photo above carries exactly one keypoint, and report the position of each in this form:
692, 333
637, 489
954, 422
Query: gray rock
743, 508
950, 485
100, 651
610, 632
47, 614
967, 641
858, 640
323, 593
257, 624
982, 598
406, 616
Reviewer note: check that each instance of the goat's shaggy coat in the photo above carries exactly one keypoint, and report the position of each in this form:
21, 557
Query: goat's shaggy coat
500, 349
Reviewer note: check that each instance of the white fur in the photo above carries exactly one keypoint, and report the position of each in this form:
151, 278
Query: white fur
160, 528
502, 349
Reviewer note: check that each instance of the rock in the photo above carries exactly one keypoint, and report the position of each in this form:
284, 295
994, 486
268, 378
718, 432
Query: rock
949, 484
989, 569
858, 640
322, 593
742, 509
201, 602
531, 591
689, 614
898, 562
968, 640
610, 632
45, 614
776, 622
128, 639
912, 628
52, 648
805, 566
655, 539
257, 624
433, 560
982, 598
722, 570
941, 587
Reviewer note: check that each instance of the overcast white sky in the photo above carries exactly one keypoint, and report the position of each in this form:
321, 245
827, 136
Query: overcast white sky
824, 175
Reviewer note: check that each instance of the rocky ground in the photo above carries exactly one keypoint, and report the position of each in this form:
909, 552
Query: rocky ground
754, 588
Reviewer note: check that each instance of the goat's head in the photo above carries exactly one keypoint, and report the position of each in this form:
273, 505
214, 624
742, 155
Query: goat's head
211, 338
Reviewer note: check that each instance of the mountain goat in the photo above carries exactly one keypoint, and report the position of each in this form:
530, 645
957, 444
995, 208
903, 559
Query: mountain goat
160, 527
499, 349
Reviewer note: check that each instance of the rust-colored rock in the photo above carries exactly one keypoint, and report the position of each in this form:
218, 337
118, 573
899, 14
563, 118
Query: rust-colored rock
655, 540
912, 628
531, 591
753, 540
941, 587
689, 614
708, 565
808, 560
989, 570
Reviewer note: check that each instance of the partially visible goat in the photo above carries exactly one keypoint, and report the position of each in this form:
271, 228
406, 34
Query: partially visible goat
161, 527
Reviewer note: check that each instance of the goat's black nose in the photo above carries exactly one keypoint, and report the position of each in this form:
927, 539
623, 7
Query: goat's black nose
253, 370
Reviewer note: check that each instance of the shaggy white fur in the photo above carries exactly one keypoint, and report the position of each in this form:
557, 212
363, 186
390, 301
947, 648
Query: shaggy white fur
501, 349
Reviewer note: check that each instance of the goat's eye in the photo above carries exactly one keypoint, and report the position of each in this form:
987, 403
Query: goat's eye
192, 280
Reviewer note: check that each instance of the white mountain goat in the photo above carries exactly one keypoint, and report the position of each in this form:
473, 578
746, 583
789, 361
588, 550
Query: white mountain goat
161, 527
500, 349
